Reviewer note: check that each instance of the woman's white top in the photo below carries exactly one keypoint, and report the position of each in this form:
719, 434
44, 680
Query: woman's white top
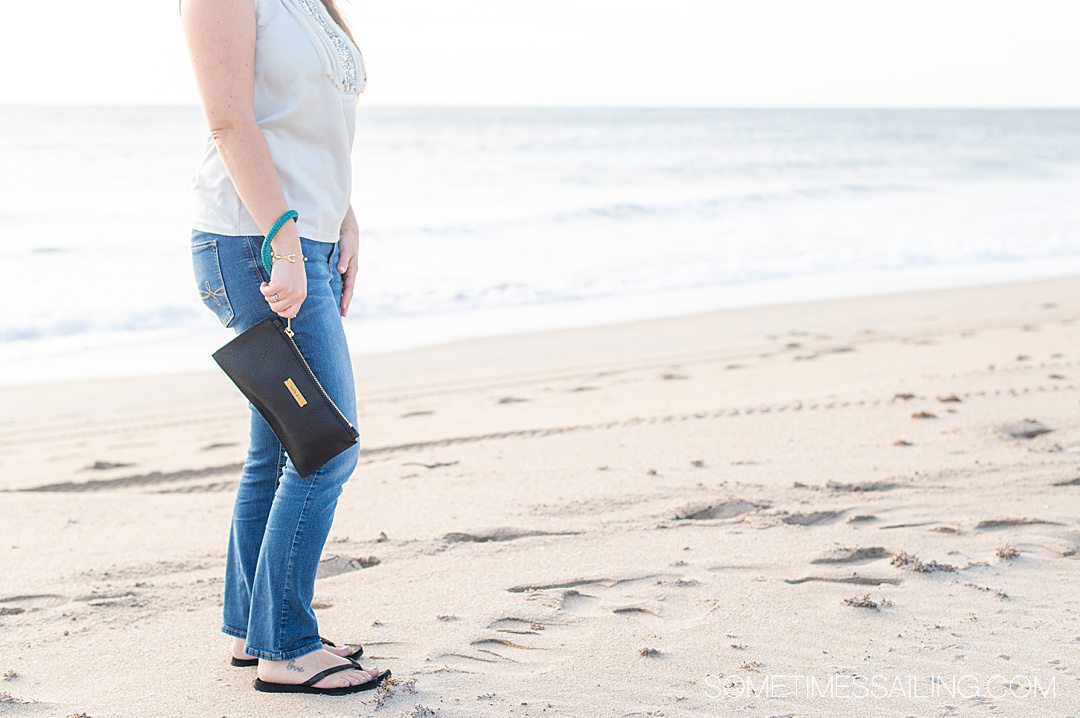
308, 77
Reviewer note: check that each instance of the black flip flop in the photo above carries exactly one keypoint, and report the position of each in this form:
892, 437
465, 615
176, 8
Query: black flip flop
352, 656
308, 686
248, 662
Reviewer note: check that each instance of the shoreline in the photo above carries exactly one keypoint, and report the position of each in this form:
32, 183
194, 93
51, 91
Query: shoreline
115, 355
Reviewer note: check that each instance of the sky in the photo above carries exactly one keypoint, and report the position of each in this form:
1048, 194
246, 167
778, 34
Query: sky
725, 53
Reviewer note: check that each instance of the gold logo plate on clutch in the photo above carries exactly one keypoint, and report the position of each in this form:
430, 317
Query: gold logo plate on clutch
295, 392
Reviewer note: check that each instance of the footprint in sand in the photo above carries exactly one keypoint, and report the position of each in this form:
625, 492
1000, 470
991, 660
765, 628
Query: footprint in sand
517, 626
853, 555
12, 605
499, 649
580, 604
706, 511
490, 657
337, 565
811, 518
635, 611
588, 605
1026, 429
579, 582
433, 466
100, 599
106, 465
992, 524
211, 488
854, 579
857, 486
492, 649
501, 534
497, 643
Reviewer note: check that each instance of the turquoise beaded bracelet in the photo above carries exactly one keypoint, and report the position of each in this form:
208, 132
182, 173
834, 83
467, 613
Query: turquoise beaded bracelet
267, 250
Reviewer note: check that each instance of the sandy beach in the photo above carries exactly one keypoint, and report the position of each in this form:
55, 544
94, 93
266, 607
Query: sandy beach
643, 519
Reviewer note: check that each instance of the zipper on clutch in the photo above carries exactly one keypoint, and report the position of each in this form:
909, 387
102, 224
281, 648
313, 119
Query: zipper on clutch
289, 333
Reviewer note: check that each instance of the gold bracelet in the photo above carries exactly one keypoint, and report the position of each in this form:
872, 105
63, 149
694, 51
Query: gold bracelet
290, 257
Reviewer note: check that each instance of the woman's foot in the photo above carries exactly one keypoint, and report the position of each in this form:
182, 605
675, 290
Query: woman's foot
298, 670
238, 650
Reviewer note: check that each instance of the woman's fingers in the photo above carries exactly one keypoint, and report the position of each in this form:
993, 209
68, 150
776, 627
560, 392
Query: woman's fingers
347, 283
286, 310
278, 300
347, 267
283, 296
285, 307
344, 260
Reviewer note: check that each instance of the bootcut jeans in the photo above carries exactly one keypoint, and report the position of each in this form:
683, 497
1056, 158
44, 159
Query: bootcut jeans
280, 521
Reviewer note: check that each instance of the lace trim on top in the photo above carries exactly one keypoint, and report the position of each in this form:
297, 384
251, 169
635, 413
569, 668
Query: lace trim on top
349, 79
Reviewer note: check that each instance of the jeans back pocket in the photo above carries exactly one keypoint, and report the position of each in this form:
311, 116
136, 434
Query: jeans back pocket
208, 279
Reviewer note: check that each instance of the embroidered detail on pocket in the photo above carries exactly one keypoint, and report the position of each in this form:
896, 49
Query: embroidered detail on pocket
209, 281
215, 294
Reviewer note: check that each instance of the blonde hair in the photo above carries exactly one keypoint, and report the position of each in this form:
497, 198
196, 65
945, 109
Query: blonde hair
331, 7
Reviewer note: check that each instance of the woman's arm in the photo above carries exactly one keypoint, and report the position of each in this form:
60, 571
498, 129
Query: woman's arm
221, 41
349, 243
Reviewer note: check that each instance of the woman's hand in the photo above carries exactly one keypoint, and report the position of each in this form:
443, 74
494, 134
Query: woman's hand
348, 247
288, 280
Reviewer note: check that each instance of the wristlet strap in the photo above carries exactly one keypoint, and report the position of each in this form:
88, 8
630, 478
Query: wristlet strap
267, 250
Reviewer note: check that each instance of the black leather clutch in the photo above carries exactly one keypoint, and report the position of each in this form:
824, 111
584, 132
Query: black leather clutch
268, 368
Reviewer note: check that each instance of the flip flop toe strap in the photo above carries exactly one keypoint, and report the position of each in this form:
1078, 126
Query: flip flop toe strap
327, 642
323, 674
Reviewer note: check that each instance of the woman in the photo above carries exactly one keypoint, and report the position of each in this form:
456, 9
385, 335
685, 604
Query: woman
279, 81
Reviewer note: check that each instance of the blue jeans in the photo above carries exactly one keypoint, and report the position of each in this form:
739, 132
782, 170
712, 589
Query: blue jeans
280, 521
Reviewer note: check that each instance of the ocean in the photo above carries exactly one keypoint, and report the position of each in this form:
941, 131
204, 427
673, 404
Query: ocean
486, 221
